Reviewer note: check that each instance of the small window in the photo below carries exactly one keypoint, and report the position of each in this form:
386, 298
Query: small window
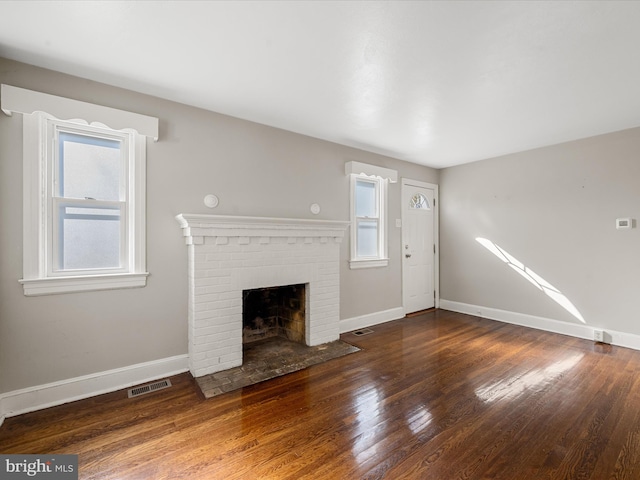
368, 232
367, 218
419, 201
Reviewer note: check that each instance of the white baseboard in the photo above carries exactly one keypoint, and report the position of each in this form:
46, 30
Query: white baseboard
370, 319
43, 396
621, 339
30, 399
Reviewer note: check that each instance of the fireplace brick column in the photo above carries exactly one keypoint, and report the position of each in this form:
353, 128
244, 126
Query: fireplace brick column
229, 254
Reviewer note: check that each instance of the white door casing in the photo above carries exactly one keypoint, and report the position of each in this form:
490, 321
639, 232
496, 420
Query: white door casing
419, 246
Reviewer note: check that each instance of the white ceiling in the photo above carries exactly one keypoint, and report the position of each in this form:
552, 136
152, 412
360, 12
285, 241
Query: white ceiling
434, 83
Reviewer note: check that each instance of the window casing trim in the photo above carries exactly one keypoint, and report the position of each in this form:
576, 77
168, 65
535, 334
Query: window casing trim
382, 258
39, 277
55, 285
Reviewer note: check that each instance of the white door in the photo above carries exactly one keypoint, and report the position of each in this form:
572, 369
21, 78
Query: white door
418, 245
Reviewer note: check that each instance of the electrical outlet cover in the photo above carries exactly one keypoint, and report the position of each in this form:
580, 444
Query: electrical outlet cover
598, 335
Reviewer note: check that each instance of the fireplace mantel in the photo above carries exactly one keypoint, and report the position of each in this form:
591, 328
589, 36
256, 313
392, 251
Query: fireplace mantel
197, 226
230, 254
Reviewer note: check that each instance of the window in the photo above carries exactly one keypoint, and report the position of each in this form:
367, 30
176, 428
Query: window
88, 203
84, 197
368, 214
367, 218
419, 201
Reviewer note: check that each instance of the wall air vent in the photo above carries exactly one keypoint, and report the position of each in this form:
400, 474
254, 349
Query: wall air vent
152, 387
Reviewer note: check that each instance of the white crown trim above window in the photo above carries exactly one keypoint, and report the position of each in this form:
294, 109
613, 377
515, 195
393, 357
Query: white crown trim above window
21, 100
357, 168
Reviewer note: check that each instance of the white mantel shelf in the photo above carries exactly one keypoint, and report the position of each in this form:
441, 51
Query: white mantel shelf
196, 226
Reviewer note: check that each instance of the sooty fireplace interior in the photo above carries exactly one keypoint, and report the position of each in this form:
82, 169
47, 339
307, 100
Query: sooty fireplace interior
274, 312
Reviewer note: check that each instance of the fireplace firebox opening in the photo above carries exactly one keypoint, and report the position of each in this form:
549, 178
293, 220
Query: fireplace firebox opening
274, 312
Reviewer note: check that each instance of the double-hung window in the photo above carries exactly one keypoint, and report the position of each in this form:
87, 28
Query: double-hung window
368, 217
368, 214
88, 171
84, 194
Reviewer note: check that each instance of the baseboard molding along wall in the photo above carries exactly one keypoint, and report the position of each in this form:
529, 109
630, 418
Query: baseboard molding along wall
65, 391
57, 393
368, 320
30, 399
621, 339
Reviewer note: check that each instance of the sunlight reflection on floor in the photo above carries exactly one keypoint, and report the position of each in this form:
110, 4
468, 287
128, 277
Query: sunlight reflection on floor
513, 387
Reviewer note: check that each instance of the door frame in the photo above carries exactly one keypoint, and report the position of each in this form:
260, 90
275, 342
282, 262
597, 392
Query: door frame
406, 183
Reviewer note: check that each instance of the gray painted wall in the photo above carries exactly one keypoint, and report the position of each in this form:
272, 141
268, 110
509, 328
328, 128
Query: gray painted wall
255, 170
554, 209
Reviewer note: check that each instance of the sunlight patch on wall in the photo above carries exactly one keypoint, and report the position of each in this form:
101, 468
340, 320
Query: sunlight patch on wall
535, 279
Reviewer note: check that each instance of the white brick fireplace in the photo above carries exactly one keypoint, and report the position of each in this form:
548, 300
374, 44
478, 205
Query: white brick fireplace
229, 254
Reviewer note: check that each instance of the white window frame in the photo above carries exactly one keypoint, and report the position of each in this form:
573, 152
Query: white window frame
130, 153
381, 177
42, 113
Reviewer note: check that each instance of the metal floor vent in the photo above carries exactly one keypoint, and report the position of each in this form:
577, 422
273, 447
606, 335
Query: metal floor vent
363, 331
152, 387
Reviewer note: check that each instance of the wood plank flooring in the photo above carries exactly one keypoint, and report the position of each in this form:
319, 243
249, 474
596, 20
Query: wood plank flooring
437, 396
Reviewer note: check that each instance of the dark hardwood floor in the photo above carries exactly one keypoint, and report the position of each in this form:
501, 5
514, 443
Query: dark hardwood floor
437, 396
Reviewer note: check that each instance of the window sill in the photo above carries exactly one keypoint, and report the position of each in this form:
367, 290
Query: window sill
52, 286
378, 262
